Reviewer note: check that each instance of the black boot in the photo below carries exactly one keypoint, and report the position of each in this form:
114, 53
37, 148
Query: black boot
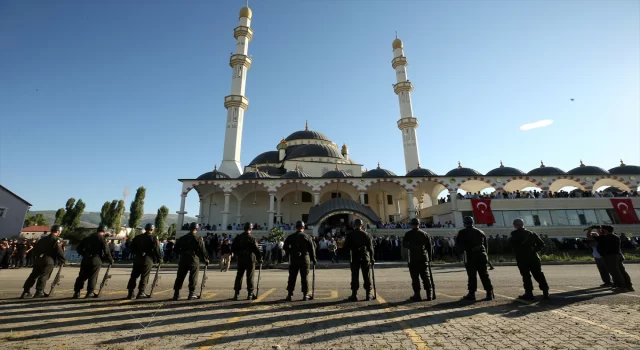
470, 297
289, 297
39, 294
415, 297
429, 298
192, 295
141, 295
176, 295
251, 296
528, 295
354, 296
91, 295
236, 295
76, 295
545, 294
306, 297
490, 295
25, 294
130, 294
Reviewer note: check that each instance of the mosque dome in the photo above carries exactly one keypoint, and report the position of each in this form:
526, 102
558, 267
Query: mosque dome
460, 171
255, 174
336, 173
421, 172
246, 12
295, 174
213, 175
544, 170
624, 169
315, 150
397, 44
266, 157
272, 170
307, 134
378, 172
587, 170
505, 171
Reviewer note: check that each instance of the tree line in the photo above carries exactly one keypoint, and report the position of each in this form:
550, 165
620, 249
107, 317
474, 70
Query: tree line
111, 215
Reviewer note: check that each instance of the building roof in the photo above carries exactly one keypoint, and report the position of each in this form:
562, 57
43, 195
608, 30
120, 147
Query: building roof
307, 134
213, 175
15, 195
378, 172
36, 229
266, 157
460, 171
315, 150
336, 173
505, 171
420, 172
295, 174
624, 169
587, 170
544, 170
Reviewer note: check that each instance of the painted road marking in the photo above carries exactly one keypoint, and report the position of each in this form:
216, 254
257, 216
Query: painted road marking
333, 294
411, 334
599, 325
217, 335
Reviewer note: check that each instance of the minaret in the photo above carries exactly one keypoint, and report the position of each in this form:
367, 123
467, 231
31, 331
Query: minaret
407, 122
236, 104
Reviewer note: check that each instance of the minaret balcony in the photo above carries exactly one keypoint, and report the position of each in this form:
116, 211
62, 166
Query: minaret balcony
399, 61
236, 101
243, 31
240, 60
410, 122
404, 86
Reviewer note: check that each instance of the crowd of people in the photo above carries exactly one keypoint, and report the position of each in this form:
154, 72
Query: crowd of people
16, 253
536, 194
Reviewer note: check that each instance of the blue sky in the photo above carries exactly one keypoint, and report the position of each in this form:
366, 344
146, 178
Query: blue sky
98, 96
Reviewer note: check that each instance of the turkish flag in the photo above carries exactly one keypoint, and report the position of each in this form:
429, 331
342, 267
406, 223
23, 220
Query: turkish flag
626, 212
482, 211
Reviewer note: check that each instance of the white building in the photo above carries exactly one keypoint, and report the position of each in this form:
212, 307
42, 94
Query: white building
308, 177
13, 211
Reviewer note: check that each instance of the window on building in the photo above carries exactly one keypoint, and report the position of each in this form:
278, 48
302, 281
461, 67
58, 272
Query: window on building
307, 197
305, 217
3, 212
509, 216
614, 216
389, 199
527, 217
574, 218
559, 217
544, 218
499, 218
603, 217
366, 199
588, 217
336, 195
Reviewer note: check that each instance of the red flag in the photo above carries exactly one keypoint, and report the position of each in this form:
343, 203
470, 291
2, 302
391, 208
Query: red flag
482, 211
626, 212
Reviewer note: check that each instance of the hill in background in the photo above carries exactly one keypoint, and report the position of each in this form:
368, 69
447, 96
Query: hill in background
92, 219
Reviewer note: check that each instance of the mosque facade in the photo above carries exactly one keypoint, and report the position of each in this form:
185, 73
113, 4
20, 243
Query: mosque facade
308, 177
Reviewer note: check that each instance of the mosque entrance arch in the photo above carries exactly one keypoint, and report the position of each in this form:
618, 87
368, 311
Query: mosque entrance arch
340, 211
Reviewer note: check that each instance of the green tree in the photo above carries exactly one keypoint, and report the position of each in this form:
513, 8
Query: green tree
136, 211
35, 220
68, 214
104, 214
173, 229
161, 225
275, 235
117, 216
71, 220
59, 215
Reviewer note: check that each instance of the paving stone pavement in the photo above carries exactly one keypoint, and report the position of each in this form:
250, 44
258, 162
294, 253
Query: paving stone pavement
579, 316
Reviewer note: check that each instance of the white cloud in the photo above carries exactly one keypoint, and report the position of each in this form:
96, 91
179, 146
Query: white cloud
535, 125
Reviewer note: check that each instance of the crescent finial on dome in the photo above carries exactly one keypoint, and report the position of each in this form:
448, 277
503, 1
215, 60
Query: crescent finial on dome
581, 163
418, 166
306, 125
501, 165
622, 163
378, 165
337, 166
459, 165
297, 168
541, 164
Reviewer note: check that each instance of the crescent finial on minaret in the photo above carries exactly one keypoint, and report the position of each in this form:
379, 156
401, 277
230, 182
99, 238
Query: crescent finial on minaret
306, 125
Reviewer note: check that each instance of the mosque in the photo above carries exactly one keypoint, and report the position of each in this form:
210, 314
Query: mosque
308, 177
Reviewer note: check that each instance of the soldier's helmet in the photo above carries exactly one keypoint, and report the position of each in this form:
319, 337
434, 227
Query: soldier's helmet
248, 226
149, 227
56, 228
102, 228
193, 226
299, 224
415, 222
467, 220
357, 222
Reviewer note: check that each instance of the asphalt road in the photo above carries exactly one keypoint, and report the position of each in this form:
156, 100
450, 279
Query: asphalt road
579, 316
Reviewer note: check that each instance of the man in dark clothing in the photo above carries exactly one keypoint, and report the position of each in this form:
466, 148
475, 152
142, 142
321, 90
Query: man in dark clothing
608, 245
93, 250
302, 251
21, 254
245, 247
4, 257
46, 252
168, 250
360, 245
146, 252
473, 243
191, 249
526, 245
418, 244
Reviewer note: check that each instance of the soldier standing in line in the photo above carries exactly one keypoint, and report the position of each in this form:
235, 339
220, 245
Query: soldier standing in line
146, 252
473, 243
4, 248
191, 249
93, 250
360, 245
418, 244
300, 247
526, 245
46, 252
245, 247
